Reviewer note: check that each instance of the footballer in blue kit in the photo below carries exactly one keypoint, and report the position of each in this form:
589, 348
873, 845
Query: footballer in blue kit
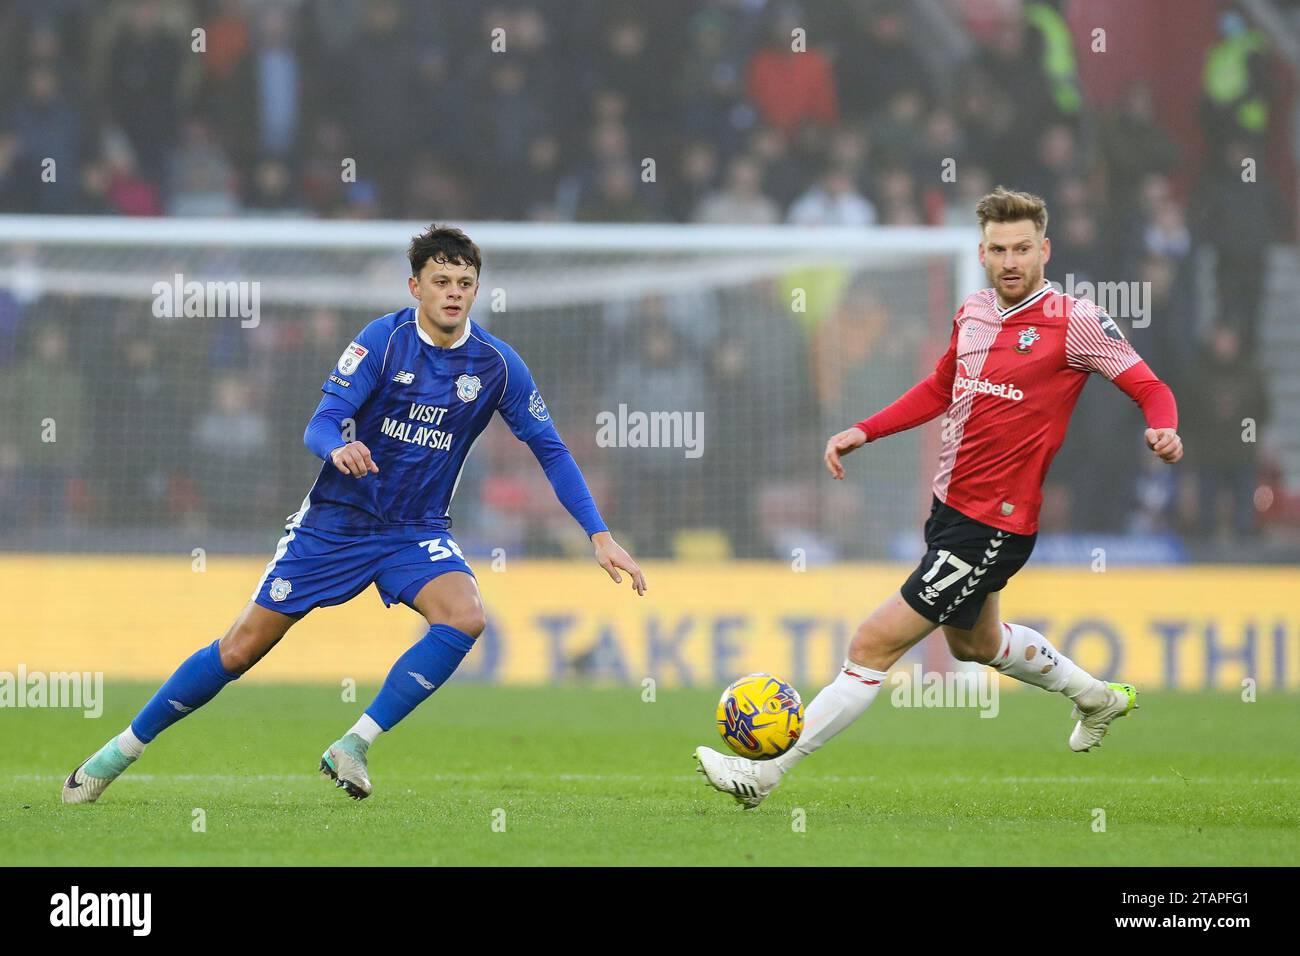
398, 418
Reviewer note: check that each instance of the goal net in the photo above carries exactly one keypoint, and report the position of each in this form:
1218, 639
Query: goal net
158, 374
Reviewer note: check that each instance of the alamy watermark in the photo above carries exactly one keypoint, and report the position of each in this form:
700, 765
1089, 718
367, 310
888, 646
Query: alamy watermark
967, 688
208, 300
637, 429
129, 910
78, 690
1124, 300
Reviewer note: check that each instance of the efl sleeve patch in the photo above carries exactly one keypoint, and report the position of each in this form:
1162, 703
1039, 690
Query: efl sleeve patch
1109, 326
537, 408
351, 358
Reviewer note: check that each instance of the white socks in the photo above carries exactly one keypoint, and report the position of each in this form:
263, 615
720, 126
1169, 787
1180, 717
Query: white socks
366, 729
839, 704
1025, 655
130, 745
1028, 656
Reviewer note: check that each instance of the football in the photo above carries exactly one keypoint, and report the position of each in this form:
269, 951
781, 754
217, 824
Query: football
760, 716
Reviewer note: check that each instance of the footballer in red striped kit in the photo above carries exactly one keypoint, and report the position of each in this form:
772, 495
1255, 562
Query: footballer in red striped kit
1019, 354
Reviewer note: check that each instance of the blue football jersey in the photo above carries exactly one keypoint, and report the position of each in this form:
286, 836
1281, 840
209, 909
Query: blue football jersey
419, 408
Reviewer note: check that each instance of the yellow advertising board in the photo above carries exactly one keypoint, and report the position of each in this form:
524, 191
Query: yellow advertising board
699, 625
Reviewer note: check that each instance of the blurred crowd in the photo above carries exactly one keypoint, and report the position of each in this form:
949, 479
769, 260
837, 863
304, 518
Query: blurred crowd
549, 110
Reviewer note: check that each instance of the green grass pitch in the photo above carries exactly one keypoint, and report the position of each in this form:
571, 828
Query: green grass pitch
599, 777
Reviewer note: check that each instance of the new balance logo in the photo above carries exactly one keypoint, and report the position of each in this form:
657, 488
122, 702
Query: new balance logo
421, 680
404, 378
179, 706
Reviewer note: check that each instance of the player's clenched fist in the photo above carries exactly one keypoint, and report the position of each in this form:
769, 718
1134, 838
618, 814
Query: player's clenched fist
1165, 443
842, 444
354, 459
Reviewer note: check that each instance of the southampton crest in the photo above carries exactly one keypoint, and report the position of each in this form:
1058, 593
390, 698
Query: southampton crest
1027, 338
467, 387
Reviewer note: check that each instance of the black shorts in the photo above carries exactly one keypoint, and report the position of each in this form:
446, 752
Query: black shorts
967, 561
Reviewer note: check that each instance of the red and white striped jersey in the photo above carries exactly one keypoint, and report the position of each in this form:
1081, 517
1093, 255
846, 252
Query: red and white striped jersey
1015, 375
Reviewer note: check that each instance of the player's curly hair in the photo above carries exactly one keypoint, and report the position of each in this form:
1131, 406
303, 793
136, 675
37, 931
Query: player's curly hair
1007, 205
443, 244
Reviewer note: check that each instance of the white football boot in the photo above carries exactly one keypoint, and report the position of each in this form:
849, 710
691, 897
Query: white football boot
1092, 727
96, 772
344, 762
749, 781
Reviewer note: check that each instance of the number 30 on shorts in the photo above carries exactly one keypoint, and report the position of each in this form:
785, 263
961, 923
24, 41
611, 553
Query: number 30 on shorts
437, 552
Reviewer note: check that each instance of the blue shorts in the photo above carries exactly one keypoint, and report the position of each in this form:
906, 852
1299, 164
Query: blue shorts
314, 568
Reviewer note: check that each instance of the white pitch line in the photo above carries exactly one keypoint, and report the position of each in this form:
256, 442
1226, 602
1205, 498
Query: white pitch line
509, 775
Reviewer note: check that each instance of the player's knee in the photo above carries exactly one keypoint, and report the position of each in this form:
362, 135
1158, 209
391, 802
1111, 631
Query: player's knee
244, 645
866, 644
962, 649
468, 618
237, 651
970, 646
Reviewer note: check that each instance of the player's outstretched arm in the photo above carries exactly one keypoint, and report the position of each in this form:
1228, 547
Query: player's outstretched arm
571, 490
1156, 399
1094, 343
526, 414
923, 402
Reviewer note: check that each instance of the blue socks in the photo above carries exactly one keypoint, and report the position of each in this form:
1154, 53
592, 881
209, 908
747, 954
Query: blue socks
195, 683
418, 673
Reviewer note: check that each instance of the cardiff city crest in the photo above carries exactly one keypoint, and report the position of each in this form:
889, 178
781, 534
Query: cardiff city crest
467, 387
